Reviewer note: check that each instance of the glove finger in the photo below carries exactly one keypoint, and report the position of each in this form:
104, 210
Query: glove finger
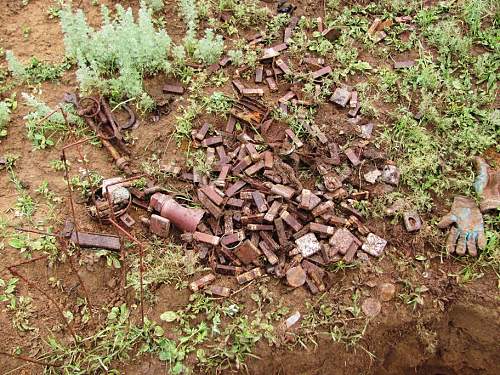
452, 240
481, 240
471, 245
447, 220
461, 244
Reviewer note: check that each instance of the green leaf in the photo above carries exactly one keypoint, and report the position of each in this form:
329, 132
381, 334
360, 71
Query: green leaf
168, 316
159, 331
17, 243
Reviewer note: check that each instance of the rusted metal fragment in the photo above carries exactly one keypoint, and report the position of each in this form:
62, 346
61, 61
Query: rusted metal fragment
259, 74
252, 91
296, 276
96, 240
390, 175
173, 89
283, 191
218, 290
206, 238
187, 219
202, 282
249, 276
321, 72
247, 252
159, 226
234, 188
260, 201
272, 84
231, 121
291, 221
412, 221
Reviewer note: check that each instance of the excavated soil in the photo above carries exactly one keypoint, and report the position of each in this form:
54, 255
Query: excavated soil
455, 332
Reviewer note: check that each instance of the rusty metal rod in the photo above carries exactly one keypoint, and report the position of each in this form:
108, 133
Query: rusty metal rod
27, 359
141, 262
14, 272
73, 212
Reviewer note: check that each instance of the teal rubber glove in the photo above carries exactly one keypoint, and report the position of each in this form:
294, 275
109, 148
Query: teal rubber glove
467, 228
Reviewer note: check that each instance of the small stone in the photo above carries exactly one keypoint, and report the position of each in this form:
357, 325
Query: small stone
341, 96
292, 319
374, 245
390, 175
371, 307
363, 256
308, 245
372, 176
366, 130
296, 276
386, 291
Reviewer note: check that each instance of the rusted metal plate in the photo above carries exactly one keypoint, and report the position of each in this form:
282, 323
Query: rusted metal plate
96, 240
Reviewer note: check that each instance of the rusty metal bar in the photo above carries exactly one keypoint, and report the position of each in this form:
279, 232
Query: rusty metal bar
141, 264
14, 272
31, 360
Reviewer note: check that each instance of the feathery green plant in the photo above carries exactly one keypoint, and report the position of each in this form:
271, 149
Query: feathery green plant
4, 118
115, 58
210, 48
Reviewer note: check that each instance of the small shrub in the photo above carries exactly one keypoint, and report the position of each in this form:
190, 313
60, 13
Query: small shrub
210, 48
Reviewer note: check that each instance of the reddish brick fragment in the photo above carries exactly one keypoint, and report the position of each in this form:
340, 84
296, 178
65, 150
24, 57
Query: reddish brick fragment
252, 91
322, 208
254, 168
220, 291
321, 72
232, 238
259, 73
235, 202
272, 84
260, 201
231, 121
206, 238
353, 158
212, 141
280, 229
291, 221
249, 276
404, 64
247, 252
283, 191
228, 269
252, 151
283, 66
285, 98
200, 135
159, 225
272, 212
202, 282
242, 164
321, 228
238, 85
259, 227
173, 89
268, 253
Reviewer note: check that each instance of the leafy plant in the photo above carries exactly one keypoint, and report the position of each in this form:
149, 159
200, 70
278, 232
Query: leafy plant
41, 133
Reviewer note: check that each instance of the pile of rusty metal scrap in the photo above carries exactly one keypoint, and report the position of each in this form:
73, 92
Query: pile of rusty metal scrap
258, 218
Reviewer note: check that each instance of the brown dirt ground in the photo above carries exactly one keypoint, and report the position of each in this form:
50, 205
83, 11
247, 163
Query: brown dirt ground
466, 323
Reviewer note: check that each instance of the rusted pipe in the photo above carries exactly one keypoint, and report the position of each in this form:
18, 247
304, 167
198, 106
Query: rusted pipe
186, 219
